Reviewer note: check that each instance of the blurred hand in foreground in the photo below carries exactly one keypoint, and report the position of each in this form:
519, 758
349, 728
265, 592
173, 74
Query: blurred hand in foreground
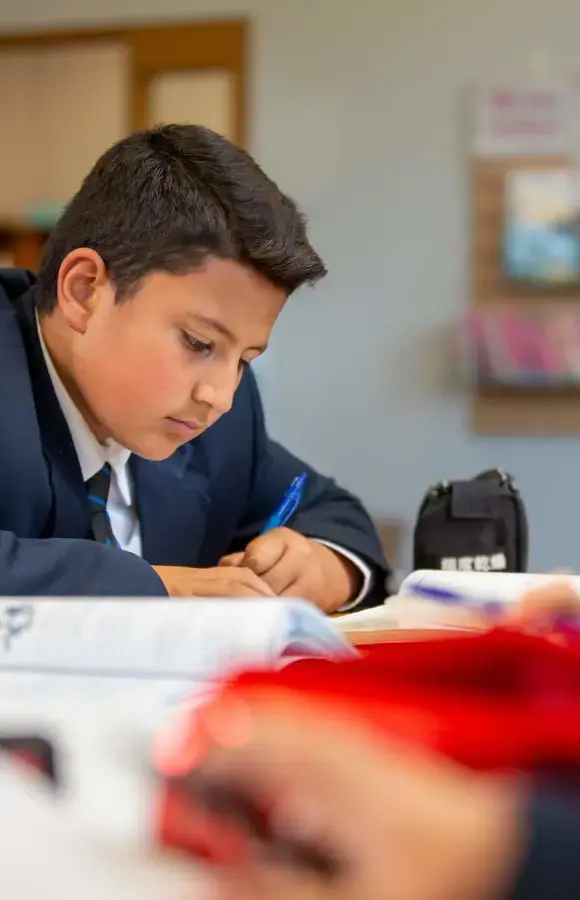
547, 607
408, 827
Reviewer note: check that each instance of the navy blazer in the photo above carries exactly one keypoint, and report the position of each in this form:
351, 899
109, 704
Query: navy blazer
209, 498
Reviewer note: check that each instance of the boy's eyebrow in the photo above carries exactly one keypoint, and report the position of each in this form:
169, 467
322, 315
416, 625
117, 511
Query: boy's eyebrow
223, 330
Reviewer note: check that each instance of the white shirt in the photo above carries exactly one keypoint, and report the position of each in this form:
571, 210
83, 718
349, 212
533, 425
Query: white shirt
121, 508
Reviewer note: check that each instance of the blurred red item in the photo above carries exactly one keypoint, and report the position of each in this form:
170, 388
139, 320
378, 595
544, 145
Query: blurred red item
185, 826
497, 701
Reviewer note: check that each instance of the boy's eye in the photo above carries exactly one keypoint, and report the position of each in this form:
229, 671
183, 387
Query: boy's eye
196, 345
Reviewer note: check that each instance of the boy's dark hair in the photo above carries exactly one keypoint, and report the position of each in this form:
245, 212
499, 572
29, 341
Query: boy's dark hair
168, 198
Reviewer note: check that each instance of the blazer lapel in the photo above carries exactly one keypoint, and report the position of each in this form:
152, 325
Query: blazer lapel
70, 513
172, 501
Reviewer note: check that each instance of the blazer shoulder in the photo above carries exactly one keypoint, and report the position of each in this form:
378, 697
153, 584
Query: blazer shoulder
14, 366
248, 400
10, 331
246, 405
20, 437
236, 428
248, 391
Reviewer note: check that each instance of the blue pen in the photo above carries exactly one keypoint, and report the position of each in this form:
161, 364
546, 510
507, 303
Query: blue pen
288, 506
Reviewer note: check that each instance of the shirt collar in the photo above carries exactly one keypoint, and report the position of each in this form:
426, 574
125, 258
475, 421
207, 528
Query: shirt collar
91, 454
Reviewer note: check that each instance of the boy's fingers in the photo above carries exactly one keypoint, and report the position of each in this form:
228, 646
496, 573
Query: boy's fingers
232, 559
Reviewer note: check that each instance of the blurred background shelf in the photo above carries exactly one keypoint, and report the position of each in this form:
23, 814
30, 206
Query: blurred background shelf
21, 245
530, 411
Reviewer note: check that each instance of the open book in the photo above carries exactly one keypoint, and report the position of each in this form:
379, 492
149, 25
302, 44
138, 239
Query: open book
150, 648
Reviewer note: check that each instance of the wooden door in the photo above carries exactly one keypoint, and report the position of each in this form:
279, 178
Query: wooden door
106, 83
192, 74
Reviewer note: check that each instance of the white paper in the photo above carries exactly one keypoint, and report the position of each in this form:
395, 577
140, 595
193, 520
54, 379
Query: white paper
402, 613
377, 618
536, 120
44, 855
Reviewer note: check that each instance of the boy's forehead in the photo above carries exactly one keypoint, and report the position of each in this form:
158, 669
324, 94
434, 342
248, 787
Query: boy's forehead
220, 290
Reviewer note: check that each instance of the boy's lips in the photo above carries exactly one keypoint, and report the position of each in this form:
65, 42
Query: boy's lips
186, 427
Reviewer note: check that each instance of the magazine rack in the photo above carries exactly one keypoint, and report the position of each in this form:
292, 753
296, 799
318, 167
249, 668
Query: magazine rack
504, 410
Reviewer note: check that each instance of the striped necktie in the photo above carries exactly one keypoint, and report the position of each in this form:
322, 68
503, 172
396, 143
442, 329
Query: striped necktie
98, 493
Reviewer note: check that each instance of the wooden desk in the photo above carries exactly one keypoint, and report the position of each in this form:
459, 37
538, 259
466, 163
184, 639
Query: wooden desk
362, 638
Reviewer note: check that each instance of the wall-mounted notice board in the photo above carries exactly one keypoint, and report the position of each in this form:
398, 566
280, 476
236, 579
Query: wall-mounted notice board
525, 244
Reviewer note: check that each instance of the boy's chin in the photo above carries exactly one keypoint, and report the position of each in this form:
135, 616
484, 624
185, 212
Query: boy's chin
154, 447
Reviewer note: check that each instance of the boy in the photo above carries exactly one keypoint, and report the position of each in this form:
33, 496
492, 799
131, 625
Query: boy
133, 454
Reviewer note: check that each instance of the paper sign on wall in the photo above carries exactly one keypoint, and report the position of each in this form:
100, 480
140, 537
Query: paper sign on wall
532, 121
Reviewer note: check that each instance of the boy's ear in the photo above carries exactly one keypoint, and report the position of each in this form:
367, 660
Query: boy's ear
81, 278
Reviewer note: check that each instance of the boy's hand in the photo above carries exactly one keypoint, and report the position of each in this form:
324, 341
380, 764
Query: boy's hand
234, 582
296, 566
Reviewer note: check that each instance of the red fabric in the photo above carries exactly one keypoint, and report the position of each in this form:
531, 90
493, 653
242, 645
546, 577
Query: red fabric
499, 701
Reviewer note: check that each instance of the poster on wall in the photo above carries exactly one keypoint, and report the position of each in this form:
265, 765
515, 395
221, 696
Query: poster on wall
541, 227
526, 121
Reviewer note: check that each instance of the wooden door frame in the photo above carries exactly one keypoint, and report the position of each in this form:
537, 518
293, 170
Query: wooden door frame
174, 46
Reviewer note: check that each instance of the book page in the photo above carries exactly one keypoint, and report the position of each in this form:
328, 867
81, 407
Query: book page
179, 639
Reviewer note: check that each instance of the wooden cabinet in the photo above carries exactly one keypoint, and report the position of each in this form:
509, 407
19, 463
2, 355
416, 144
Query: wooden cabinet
21, 246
